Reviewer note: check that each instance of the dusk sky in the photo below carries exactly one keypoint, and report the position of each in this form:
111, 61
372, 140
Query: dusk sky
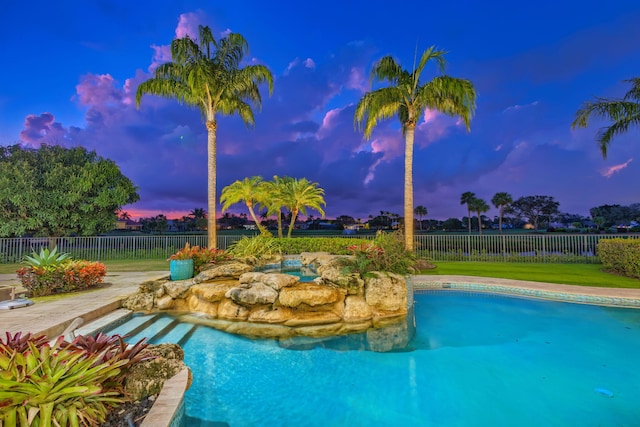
71, 68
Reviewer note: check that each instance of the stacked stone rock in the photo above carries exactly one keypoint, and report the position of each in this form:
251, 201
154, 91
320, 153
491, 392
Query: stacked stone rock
234, 298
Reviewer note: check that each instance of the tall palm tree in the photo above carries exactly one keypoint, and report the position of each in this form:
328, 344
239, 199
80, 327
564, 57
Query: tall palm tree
501, 201
465, 198
206, 74
623, 113
249, 190
407, 99
478, 206
300, 194
421, 211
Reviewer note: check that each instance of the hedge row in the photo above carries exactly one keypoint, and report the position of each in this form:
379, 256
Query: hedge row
621, 256
333, 245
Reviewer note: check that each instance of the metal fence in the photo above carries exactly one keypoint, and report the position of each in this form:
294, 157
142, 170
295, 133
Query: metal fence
534, 248
542, 248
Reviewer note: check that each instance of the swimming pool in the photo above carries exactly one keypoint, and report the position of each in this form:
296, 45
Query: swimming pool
475, 360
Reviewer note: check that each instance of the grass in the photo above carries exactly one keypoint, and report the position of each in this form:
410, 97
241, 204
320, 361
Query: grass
569, 274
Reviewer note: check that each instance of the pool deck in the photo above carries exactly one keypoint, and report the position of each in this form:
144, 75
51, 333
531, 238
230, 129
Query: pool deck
51, 318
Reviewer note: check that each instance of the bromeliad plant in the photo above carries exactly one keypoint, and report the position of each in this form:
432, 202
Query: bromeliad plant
50, 272
386, 252
63, 384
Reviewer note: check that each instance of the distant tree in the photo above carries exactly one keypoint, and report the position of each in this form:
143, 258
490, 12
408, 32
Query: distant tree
124, 216
452, 224
533, 207
250, 191
479, 206
206, 74
421, 211
501, 201
198, 213
616, 214
300, 194
624, 113
273, 198
161, 223
465, 198
599, 221
54, 191
407, 99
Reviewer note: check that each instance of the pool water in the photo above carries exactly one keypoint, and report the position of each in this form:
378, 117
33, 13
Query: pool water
475, 360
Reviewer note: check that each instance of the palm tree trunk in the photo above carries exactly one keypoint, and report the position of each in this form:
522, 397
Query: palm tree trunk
255, 219
279, 223
294, 215
408, 187
469, 217
500, 219
479, 224
211, 181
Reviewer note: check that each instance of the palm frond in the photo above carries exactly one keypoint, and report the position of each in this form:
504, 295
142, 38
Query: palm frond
378, 105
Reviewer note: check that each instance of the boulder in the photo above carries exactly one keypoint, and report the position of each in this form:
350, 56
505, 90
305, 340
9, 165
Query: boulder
251, 277
310, 294
139, 302
151, 285
351, 282
231, 311
275, 315
178, 288
146, 378
356, 309
165, 302
385, 291
212, 292
278, 281
254, 294
198, 305
310, 318
229, 270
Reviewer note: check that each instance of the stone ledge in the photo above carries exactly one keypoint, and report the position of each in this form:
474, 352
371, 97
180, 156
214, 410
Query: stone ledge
169, 404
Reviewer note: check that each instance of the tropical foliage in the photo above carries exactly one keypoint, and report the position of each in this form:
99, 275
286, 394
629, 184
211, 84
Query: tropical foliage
201, 256
421, 211
407, 99
620, 256
624, 113
387, 252
250, 191
62, 384
479, 206
206, 74
300, 194
54, 191
65, 277
534, 207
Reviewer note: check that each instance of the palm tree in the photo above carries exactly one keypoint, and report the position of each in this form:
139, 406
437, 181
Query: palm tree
198, 213
501, 201
124, 216
479, 206
206, 74
249, 190
300, 194
623, 112
407, 99
421, 211
465, 198
273, 197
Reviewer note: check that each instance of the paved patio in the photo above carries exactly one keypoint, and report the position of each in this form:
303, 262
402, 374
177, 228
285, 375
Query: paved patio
52, 317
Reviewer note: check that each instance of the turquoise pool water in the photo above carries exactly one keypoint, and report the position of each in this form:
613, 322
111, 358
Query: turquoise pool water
475, 360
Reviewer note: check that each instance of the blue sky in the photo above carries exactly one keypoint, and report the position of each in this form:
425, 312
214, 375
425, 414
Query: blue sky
71, 69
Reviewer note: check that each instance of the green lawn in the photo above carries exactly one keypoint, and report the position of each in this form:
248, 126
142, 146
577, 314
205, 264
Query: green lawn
570, 274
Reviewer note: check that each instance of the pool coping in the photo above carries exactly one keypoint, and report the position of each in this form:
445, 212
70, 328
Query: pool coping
615, 297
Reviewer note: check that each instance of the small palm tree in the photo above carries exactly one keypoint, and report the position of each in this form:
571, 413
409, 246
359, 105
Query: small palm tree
465, 198
623, 112
407, 99
273, 196
501, 201
249, 191
300, 194
198, 213
479, 206
206, 74
421, 211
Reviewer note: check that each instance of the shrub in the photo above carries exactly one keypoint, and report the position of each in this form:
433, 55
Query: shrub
46, 258
333, 245
45, 385
385, 253
620, 256
66, 277
258, 246
200, 256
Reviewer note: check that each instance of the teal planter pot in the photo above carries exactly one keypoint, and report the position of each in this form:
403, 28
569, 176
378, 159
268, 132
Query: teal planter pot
181, 269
